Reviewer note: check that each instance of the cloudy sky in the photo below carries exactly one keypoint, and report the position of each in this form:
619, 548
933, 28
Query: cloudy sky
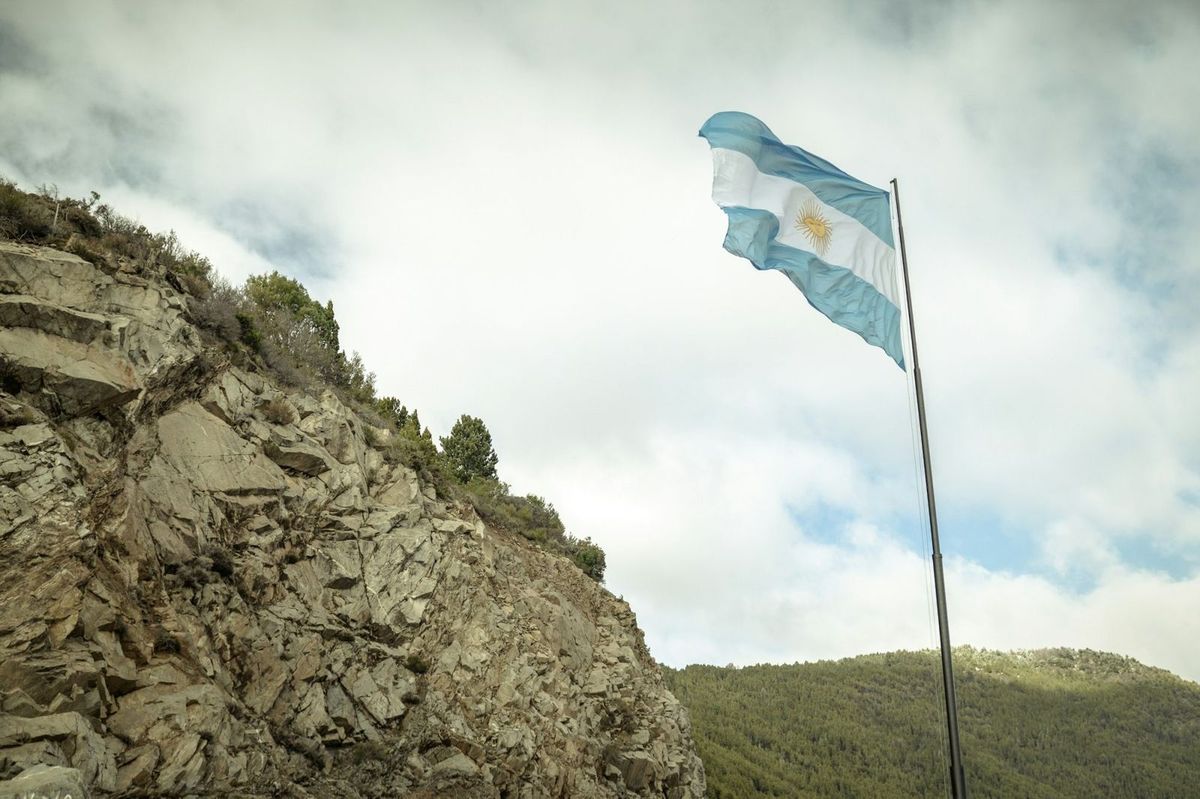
509, 207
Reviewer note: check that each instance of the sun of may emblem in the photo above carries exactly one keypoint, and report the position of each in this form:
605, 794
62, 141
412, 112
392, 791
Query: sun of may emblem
815, 227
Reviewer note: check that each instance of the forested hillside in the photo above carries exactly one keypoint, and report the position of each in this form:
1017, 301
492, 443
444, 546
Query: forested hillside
1046, 724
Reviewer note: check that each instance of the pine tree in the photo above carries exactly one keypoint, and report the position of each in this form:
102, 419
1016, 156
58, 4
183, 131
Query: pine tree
469, 449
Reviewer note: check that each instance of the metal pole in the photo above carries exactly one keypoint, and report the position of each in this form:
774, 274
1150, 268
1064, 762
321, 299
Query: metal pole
958, 780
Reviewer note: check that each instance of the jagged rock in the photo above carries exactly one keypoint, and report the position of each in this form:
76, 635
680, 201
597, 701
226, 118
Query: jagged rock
20, 311
228, 397
637, 769
298, 456
197, 596
401, 490
183, 764
340, 708
137, 767
72, 736
457, 765
73, 377
50, 274
209, 455
383, 690
51, 782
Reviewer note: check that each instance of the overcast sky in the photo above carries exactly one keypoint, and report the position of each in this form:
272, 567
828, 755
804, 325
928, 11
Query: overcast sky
509, 207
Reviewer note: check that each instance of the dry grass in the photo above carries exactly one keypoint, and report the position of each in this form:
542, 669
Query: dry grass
278, 411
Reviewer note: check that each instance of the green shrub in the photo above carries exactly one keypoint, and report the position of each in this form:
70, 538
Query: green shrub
165, 643
249, 331
25, 217
588, 557
166, 251
391, 410
195, 285
534, 518
77, 246
277, 294
77, 215
416, 664
298, 333
368, 751
414, 448
191, 265
530, 515
356, 380
222, 561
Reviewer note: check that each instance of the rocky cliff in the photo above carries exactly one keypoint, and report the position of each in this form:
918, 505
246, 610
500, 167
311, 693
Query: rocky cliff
213, 585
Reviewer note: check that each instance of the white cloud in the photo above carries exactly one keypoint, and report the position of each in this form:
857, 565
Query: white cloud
719, 571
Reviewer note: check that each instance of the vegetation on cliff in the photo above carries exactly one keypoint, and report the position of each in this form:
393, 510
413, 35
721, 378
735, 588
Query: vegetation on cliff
1053, 723
273, 323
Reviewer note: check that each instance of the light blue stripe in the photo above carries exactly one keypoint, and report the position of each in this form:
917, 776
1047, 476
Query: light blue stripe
844, 297
733, 130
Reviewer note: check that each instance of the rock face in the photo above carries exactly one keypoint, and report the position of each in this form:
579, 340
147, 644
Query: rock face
196, 598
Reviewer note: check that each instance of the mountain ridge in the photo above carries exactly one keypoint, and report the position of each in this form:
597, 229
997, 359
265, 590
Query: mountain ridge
1054, 722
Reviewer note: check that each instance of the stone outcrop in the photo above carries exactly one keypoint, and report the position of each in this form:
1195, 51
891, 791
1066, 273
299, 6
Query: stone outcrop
201, 596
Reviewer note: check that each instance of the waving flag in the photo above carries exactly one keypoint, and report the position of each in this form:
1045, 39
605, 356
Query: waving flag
831, 234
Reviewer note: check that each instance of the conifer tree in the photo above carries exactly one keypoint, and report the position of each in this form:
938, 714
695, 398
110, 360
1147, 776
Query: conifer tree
469, 449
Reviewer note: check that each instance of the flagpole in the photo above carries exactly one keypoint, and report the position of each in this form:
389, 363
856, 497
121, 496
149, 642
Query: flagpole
958, 780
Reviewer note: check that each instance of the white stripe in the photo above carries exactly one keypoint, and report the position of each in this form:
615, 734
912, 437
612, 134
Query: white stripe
737, 182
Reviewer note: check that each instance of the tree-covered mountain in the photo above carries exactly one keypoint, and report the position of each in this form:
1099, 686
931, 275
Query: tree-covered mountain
1045, 724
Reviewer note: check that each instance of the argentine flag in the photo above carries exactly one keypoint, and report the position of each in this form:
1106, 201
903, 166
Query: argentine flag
831, 234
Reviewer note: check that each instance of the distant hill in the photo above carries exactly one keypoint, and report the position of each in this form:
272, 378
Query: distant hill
1045, 724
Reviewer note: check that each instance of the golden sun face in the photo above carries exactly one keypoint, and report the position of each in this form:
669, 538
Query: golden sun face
815, 227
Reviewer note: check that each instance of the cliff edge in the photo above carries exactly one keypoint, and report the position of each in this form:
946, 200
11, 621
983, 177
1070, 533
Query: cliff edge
211, 584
